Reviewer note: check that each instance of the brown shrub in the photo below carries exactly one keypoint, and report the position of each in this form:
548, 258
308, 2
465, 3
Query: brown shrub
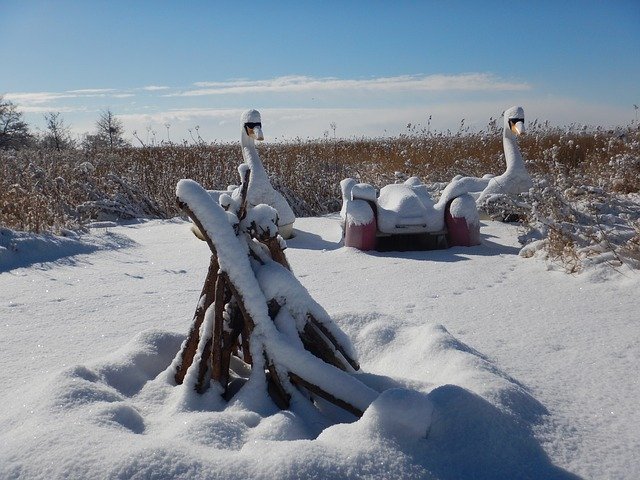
43, 190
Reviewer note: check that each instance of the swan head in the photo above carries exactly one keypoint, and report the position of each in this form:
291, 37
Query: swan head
252, 124
514, 121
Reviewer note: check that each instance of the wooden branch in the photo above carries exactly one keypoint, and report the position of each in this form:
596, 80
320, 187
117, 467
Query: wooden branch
274, 386
315, 343
218, 325
353, 362
246, 349
242, 211
204, 368
218, 349
229, 344
277, 254
191, 345
240, 301
297, 380
248, 324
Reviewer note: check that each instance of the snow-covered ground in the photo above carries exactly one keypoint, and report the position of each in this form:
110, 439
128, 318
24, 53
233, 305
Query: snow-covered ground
526, 372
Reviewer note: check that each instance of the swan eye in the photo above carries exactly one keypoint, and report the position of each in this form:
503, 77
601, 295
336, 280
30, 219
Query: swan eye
253, 125
513, 121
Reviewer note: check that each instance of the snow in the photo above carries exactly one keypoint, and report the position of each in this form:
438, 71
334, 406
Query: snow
490, 365
263, 219
402, 207
363, 191
358, 212
346, 185
464, 206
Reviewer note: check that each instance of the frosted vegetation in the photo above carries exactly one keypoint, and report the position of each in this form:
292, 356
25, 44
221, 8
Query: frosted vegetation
584, 207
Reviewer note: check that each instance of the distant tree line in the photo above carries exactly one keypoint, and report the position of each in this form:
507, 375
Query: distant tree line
15, 133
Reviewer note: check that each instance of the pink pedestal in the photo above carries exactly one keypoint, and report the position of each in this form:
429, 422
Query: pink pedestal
460, 233
362, 237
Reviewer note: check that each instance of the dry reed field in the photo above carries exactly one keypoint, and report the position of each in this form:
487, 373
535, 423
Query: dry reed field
586, 201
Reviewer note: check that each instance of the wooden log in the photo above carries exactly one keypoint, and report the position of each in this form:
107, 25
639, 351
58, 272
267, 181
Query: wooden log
277, 254
218, 326
242, 212
204, 367
314, 342
229, 344
275, 388
353, 362
240, 302
299, 381
191, 345
246, 349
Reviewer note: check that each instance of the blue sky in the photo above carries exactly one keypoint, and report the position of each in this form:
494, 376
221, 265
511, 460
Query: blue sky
369, 66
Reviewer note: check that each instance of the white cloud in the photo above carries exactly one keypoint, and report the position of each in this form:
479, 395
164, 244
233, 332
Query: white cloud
154, 88
91, 91
294, 84
399, 100
27, 99
31, 98
50, 108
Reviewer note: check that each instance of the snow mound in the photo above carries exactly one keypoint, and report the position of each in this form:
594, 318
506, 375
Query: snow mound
21, 249
134, 422
399, 412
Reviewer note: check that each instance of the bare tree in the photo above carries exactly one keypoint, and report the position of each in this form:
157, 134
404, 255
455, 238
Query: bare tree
14, 131
110, 130
57, 135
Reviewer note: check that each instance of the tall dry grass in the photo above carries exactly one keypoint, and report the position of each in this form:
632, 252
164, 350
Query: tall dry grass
45, 190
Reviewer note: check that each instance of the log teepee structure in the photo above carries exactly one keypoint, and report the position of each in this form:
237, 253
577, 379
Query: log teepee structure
254, 316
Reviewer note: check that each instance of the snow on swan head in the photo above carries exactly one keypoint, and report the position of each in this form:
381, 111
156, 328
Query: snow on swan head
514, 122
252, 124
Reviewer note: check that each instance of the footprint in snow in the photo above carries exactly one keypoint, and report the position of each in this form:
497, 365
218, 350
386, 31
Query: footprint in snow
177, 272
139, 277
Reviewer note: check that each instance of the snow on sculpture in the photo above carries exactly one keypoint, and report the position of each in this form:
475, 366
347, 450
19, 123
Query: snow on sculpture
254, 315
404, 217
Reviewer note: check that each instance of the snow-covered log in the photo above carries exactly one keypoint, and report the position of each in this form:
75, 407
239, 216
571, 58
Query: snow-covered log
261, 313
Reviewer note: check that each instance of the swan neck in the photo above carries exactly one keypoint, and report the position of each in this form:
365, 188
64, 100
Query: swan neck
512, 154
251, 157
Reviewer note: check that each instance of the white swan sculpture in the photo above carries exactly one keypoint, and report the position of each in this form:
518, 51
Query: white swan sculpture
260, 189
513, 181
406, 211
